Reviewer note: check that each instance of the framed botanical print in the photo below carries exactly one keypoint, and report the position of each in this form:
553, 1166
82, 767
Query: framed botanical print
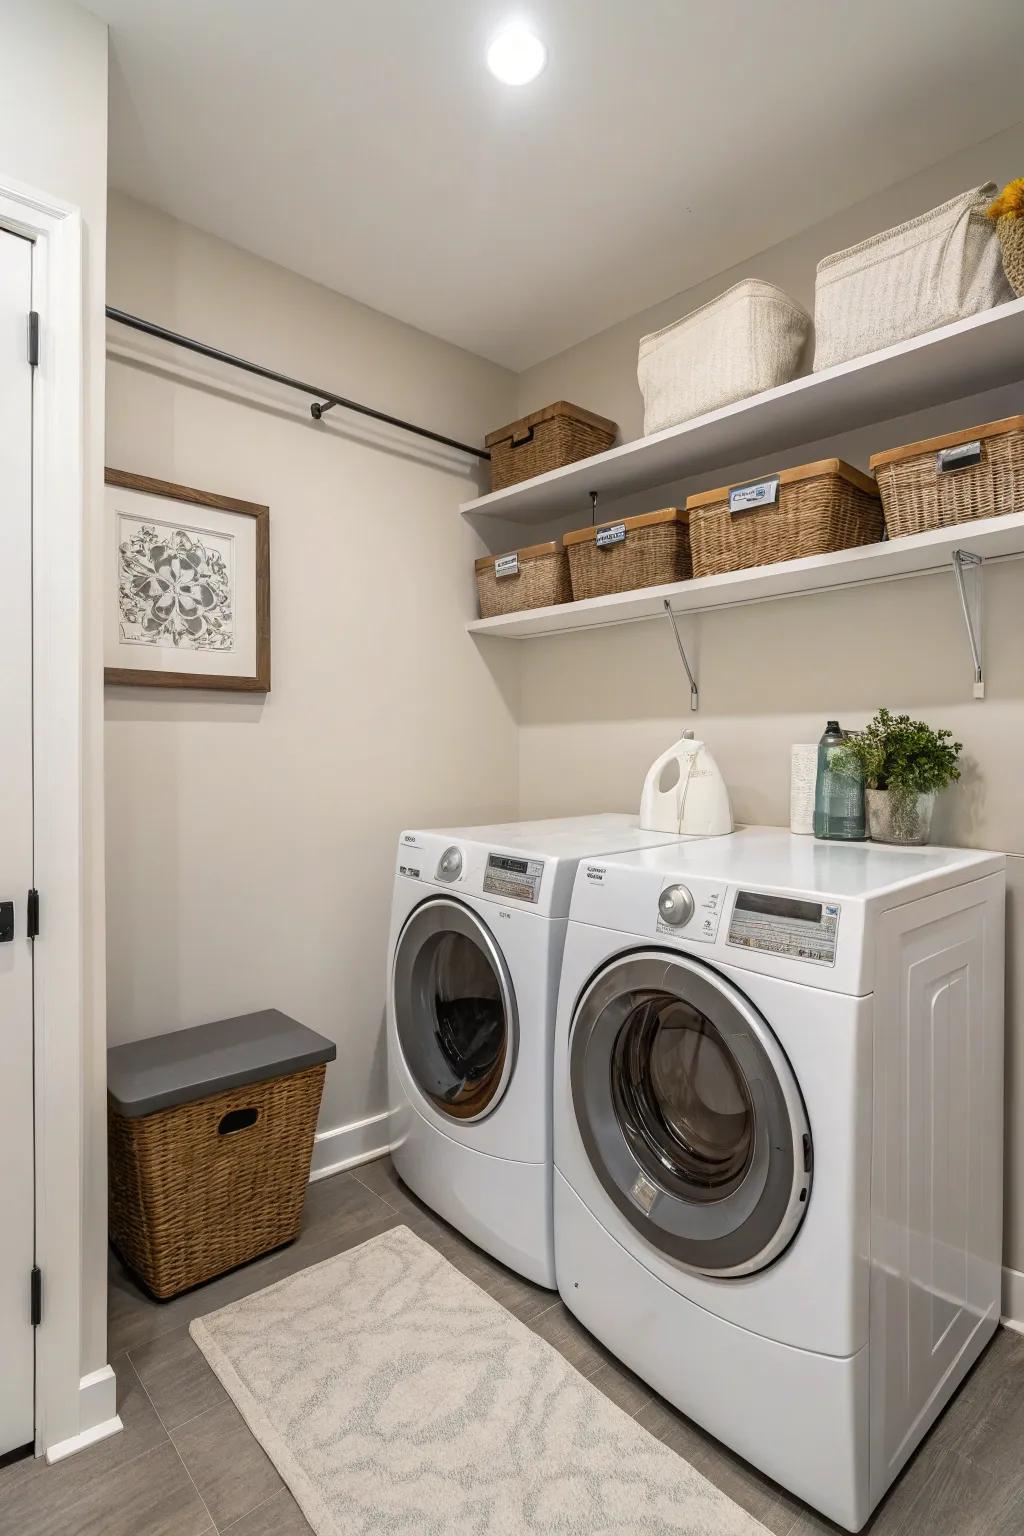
188, 587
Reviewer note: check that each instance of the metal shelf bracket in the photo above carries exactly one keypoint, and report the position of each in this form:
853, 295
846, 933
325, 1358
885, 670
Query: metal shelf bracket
694, 690
968, 569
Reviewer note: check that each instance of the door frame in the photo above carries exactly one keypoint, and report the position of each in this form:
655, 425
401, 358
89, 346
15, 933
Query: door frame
63, 1139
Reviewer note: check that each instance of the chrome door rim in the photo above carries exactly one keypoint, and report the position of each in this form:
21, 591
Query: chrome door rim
771, 1216
437, 915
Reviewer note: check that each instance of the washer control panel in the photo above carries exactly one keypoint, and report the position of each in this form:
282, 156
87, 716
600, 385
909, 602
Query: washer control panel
785, 925
690, 911
518, 879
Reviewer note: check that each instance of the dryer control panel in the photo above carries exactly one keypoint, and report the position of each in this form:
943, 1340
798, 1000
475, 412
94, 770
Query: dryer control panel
785, 925
518, 879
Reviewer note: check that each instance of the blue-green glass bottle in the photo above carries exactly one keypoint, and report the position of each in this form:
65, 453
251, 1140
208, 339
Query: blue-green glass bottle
838, 797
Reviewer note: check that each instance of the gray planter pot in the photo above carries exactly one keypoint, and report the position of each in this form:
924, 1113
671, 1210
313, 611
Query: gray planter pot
894, 818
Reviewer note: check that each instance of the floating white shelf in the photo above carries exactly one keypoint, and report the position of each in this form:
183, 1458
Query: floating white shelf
922, 553
980, 353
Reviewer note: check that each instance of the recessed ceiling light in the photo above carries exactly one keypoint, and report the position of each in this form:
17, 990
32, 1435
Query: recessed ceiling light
516, 56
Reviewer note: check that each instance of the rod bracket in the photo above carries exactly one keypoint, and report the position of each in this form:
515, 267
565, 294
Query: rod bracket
320, 408
694, 690
968, 570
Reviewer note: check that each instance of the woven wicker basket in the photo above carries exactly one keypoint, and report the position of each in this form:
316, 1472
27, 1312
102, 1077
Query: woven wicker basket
536, 577
1010, 229
188, 1202
550, 438
812, 510
643, 551
926, 485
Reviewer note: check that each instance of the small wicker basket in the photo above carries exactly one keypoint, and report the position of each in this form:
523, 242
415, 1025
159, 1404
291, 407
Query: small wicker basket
1010, 229
550, 438
644, 551
814, 509
535, 577
952, 479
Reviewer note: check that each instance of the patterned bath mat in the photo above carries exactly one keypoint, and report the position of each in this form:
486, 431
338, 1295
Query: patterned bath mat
394, 1396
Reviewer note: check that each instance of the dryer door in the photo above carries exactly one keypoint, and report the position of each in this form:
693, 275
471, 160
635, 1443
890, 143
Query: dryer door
690, 1113
455, 1011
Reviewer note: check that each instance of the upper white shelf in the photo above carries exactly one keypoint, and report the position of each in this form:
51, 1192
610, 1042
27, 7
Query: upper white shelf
917, 555
982, 352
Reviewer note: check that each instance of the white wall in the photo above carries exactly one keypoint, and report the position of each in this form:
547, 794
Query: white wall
598, 707
251, 842
53, 137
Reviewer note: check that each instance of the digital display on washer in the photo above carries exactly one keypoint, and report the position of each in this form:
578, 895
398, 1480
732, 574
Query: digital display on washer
518, 879
785, 925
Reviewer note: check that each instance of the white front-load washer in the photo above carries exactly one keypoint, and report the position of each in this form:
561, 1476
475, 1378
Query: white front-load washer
478, 924
778, 1140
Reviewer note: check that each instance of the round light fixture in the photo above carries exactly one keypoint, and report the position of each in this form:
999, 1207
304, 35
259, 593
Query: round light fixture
516, 56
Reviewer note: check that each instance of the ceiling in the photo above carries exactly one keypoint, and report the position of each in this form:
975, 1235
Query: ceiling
366, 146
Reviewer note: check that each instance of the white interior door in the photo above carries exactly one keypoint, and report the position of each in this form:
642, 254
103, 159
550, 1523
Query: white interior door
16, 1028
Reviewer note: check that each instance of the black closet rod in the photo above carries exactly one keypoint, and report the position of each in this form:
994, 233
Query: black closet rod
316, 410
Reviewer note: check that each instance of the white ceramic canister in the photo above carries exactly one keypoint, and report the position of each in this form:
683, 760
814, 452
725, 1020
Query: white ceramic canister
802, 773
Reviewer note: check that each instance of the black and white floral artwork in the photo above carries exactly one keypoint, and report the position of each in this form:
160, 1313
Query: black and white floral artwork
175, 586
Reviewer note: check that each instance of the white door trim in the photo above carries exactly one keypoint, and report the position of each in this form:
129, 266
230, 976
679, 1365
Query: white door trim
59, 503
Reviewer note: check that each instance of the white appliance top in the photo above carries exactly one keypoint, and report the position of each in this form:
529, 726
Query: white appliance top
560, 837
784, 861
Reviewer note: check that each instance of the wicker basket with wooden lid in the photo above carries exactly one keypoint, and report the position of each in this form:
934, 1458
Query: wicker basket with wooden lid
813, 509
978, 472
535, 577
644, 551
550, 438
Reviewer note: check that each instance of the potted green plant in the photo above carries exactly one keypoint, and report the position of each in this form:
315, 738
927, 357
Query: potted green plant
903, 763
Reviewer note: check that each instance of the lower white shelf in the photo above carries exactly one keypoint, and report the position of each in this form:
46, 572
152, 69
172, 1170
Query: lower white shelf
990, 538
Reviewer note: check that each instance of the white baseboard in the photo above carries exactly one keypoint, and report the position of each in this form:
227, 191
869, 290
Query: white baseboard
1013, 1299
97, 1408
346, 1146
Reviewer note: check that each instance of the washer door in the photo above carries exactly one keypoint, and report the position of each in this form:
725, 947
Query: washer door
455, 1009
690, 1113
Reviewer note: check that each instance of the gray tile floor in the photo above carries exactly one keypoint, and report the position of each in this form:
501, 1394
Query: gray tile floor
186, 1465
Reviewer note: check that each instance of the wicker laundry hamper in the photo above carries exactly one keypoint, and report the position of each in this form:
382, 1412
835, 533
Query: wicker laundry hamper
644, 551
550, 438
210, 1137
952, 479
535, 577
814, 509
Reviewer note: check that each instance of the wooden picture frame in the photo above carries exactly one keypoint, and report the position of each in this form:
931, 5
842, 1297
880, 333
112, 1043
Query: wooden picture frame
256, 604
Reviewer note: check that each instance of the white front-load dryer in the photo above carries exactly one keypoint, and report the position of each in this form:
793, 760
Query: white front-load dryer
777, 1140
477, 931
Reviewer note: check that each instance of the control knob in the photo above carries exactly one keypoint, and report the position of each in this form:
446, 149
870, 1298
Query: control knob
450, 867
675, 906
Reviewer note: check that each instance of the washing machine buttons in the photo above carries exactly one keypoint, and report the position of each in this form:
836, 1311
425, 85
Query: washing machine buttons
675, 906
450, 867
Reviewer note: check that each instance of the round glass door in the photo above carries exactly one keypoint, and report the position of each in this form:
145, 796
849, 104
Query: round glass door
690, 1113
454, 1009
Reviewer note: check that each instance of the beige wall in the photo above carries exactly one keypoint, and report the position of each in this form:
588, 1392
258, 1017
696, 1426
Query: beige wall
53, 138
598, 707
250, 841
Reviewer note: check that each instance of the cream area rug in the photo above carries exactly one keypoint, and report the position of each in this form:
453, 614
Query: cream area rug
394, 1396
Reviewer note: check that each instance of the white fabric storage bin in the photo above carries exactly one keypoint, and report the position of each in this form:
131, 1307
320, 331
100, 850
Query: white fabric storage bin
937, 268
748, 339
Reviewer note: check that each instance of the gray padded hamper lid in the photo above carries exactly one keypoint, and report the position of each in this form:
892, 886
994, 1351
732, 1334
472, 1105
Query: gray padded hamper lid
191, 1064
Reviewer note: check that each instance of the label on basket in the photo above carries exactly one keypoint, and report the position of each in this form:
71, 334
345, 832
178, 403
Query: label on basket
614, 533
507, 565
960, 457
761, 493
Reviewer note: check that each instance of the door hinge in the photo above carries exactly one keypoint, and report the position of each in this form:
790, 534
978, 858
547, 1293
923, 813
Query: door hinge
32, 915
33, 339
37, 1295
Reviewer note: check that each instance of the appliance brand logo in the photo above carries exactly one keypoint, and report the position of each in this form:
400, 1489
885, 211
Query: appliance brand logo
407, 869
596, 873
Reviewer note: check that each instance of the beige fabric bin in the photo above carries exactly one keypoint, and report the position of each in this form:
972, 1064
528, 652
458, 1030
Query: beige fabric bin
644, 551
935, 269
747, 340
535, 577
